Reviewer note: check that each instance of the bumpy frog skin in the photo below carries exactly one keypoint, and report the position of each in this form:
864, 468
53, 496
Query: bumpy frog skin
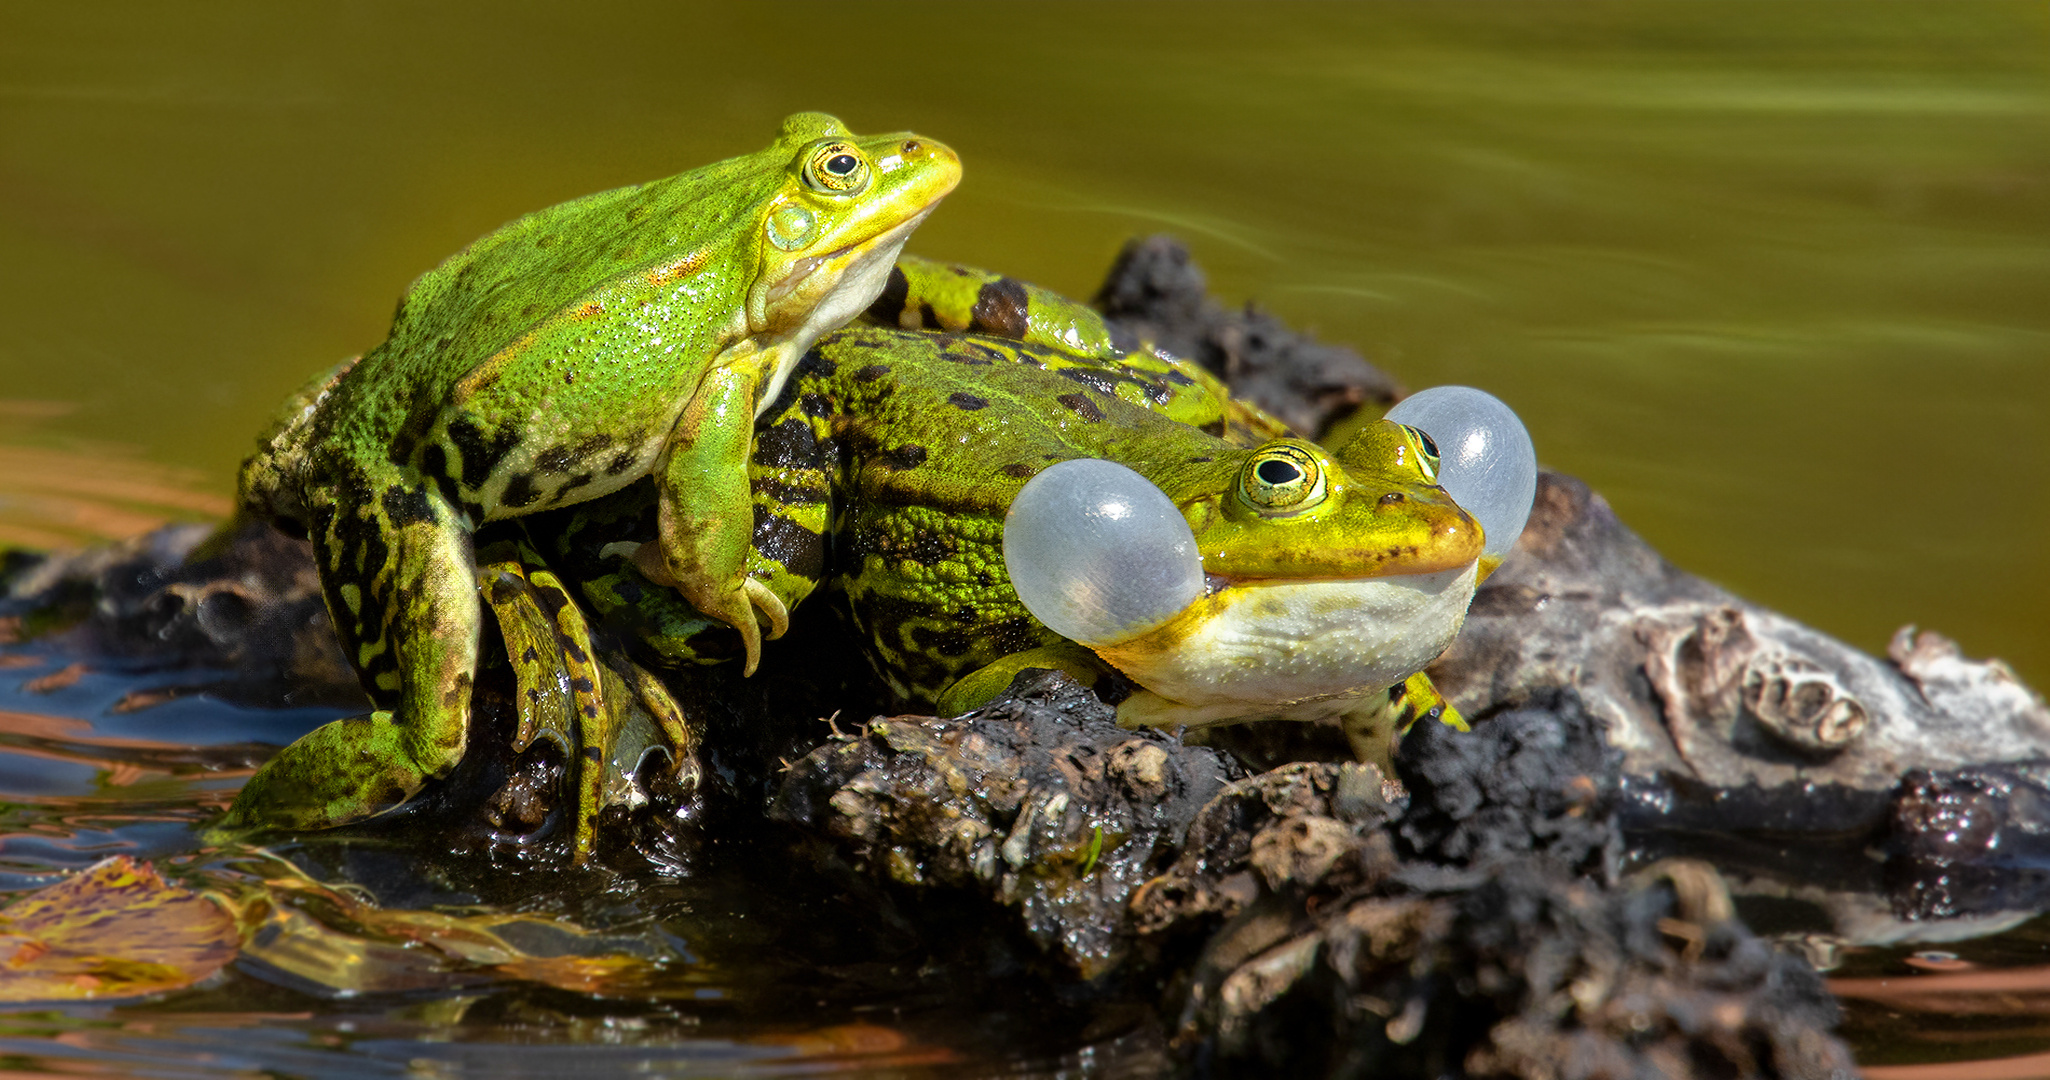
626, 334
887, 469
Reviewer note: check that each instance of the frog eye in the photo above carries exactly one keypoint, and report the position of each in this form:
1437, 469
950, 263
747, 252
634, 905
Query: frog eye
1098, 553
1426, 452
1282, 478
836, 168
1489, 467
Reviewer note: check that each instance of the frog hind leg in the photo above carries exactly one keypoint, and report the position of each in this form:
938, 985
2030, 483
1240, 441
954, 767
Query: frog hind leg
1374, 727
923, 294
706, 510
560, 690
570, 690
399, 579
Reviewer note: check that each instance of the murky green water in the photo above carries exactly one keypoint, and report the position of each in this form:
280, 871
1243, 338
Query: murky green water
1775, 278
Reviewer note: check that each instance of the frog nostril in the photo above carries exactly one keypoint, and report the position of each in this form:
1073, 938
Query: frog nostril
911, 146
1392, 498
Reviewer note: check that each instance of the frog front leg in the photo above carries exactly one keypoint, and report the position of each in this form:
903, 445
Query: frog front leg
705, 511
399, 582
1381, 720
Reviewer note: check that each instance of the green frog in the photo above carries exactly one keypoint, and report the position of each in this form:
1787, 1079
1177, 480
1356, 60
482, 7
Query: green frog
627, 334
886, 471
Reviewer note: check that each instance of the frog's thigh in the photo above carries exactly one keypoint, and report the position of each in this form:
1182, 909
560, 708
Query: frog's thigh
706, 512
431, 620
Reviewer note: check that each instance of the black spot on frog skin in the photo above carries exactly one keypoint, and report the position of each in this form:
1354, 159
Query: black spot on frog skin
816, 405
907, 456
990, 354
1094, 380
964, 400
403, 508
434, 462
620, 462
1177, 378
519, 491
815, 363
1023, 470
1201, 460
922, 548
1081, 406
890, 302
787, 494
871, 373
1001, 308
942, 642
1214, 427
789, 445
785, 541
574, 482
628, 589
558, 459
481, 451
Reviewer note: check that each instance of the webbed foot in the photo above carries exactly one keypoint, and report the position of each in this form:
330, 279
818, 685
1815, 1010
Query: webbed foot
340, 772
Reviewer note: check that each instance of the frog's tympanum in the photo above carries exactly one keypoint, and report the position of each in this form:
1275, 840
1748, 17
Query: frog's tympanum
632, 333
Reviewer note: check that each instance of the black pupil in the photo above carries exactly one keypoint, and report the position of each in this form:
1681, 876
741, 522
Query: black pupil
1430, 447
841, 164
1278, 473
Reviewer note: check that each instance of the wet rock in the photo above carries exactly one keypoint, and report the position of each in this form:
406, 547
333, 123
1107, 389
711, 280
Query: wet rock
1539, 778
1315, 919
1970, 841
249, 604
1155, 290
1039, 802
1698, 685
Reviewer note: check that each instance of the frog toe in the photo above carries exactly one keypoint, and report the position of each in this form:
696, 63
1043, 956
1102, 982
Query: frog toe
770, 605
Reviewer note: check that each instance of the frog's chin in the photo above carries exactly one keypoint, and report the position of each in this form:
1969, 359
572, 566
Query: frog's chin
835, 287
1292, 649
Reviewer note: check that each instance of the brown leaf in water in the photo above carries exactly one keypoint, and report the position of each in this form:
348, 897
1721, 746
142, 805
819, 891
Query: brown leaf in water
56, 680
2009, 992
334, 938
115, 929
